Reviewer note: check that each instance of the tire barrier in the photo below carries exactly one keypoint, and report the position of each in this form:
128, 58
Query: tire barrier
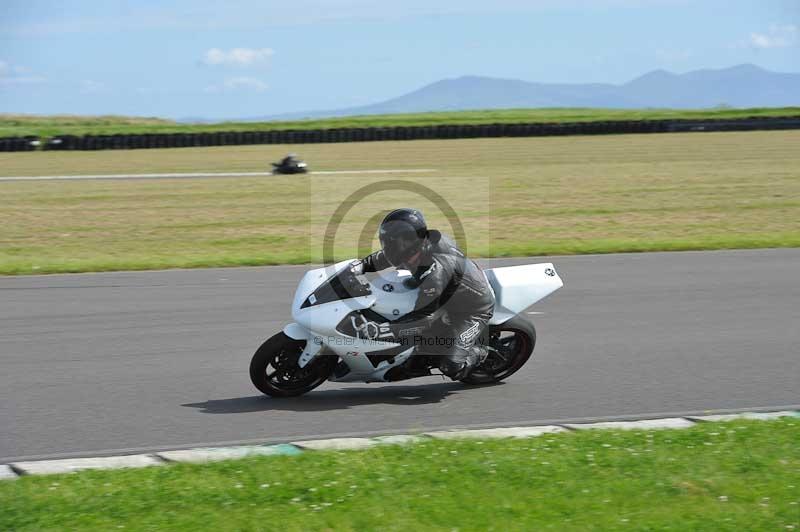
372, 134
28, 143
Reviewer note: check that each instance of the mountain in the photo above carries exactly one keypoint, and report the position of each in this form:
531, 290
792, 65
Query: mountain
738, 86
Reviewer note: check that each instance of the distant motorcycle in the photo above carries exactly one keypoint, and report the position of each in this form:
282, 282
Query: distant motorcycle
341, 332
290, 165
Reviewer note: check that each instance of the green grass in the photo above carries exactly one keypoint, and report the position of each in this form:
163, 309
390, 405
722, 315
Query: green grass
712, 477
46, 126
522, 196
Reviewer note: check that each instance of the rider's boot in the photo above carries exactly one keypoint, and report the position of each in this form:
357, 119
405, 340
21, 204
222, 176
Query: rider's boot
483, 353
459, 367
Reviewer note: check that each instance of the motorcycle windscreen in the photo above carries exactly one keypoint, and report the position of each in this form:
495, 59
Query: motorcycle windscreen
315, 279
325, 292
518, 287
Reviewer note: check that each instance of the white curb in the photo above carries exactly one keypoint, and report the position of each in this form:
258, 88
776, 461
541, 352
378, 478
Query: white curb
215, 454
49, 467
335, 444
505, 432
6, 473
399, 439
210, 454
745, 415
642, 424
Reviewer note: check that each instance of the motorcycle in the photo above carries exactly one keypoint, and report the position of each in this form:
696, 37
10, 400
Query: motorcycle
292, 167
341, 331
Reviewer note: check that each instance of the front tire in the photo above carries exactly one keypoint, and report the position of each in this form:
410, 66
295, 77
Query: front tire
510, 346
274, 370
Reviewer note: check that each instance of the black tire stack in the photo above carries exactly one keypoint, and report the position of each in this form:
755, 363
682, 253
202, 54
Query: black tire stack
371, 134
27, 143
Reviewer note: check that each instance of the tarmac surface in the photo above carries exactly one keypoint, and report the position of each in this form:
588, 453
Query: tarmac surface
109, 363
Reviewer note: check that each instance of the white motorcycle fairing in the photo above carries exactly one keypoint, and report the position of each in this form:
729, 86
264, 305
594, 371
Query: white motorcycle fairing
317, 317
317, 323
518, 287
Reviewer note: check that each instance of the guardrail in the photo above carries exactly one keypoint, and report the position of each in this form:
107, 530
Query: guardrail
368, 134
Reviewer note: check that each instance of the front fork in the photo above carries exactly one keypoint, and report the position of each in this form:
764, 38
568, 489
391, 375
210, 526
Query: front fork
313, 342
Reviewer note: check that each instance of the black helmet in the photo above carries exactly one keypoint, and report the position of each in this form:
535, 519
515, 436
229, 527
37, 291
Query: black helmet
402, 234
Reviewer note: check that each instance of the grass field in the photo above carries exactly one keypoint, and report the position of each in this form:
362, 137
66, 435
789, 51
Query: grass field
521, 196
713, 477
46, 126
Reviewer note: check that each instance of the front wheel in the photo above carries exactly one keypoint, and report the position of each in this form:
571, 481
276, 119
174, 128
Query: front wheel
510, 345
275, 372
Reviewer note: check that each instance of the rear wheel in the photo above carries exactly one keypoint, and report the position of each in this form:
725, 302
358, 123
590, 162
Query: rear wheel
275, 372
510, 346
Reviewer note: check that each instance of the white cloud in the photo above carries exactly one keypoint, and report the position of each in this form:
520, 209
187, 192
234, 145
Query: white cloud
9, 75
21, 80
238, 57
239, 84
777, 37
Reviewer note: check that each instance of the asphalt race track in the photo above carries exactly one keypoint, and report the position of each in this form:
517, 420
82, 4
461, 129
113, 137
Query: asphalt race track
115, 362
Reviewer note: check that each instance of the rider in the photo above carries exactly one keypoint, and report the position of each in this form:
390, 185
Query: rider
455, 301
289, 160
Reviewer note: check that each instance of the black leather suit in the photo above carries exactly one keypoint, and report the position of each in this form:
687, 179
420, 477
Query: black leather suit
454, 303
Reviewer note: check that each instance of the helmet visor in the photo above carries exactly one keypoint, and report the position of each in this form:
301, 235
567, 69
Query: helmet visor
399, 248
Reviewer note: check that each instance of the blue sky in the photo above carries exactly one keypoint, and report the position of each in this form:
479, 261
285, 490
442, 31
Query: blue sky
199, 58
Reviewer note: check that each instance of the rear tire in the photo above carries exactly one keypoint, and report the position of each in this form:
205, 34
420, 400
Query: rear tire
510, 346
274, 370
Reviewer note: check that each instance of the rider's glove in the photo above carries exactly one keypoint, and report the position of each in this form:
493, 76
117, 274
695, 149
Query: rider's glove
411, 283
357, 267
